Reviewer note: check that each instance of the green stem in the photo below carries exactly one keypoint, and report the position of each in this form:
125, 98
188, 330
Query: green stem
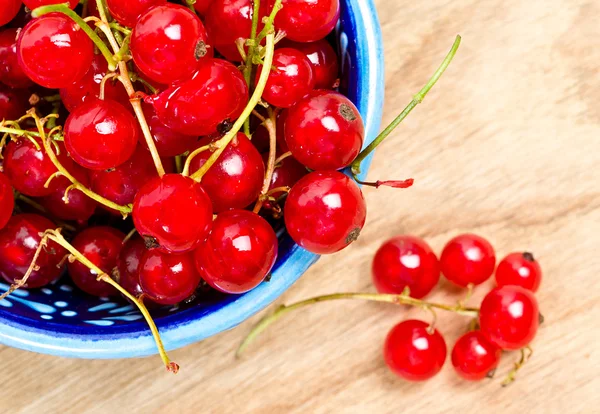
256, 96
248, 68
120, 55
18, 132
402, 299
118, 27
64, 9
269, 22
417, 99
190, 4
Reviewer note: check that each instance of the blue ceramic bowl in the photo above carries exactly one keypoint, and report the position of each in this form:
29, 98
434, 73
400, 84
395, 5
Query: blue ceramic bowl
61, 320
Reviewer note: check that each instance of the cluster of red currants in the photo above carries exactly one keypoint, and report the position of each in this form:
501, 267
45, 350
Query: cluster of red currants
153, 129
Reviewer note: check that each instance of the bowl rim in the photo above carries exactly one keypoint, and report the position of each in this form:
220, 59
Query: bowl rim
176, 334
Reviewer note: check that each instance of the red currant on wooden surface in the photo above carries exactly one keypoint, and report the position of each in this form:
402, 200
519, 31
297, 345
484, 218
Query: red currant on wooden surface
34, 4
519, 269
324, 131
239, 253
307, 20
168, 278
128, 12
87, 88
101, 134
412, 353
7, 201
101, 246
19, 241
468, 259
11, 73
325, 212
8, 10
290, 79
173, 212
168, 42
169, 143
323, 59
509, 317
13, 102
53, 51
236, 178
217, 92
474, 357
128, 266
405, 261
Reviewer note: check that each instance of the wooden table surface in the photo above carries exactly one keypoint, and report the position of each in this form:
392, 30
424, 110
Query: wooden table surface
506, 145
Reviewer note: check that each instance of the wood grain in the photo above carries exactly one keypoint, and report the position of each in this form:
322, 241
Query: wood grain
507, 145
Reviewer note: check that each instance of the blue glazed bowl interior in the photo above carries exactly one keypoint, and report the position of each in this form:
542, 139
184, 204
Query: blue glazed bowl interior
61, 320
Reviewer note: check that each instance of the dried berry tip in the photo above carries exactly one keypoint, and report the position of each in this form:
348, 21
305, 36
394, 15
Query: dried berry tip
528, 256
173, 367
347, 113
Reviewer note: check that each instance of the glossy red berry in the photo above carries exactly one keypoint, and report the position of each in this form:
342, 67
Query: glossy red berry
325, 212
519, 269
239, 253
101, 134
230, 20
286, 174
168, 42
128, 12
307, 20
290, 79
509, 317
216, 93
323, 59
9, 10
87, 88
19, 241
201, 6
168, 278
169, 143
13, 102
236, 178
405, 261
474, 357
324, 131
468, 259
412, 353
128, 266
11, 73
101, 246
173, 212
7, 201
53, 51
34, 4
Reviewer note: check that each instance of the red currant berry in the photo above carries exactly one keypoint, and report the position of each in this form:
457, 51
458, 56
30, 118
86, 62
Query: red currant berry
202, 6
324, 131
101, 246
405, 261
412, 353
236, 178
173, 212
239, 253
87, 88
169, 143
468, 259
101, 134
509, 317
11, 73
13, 103
474, 357
19, 241
53, 51
325, 212
286, 174
7, 201
323, 58
128, 12
290, 80
168, 278
307, 20
519, 269
217, 85
167, 43
230, 20
28, 167
34, 4
8, 10
128, 266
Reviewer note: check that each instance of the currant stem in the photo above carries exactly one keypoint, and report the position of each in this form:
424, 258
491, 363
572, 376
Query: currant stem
18, 283
248, 67
186, 167
417, 99
256, 96
270, 124
402, 299
510, 378
63, 8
